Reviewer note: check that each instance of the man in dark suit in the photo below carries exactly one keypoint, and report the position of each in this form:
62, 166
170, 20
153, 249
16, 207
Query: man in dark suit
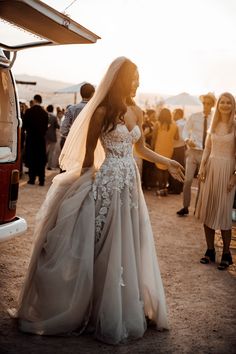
36, 124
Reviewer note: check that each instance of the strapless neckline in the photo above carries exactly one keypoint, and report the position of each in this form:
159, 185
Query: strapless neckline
129, 131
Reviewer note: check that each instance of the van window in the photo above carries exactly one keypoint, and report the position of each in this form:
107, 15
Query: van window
8, 117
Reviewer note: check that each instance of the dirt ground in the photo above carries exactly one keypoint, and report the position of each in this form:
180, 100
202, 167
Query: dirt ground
201, 300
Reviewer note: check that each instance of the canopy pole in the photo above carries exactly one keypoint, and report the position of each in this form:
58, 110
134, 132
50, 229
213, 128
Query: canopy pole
75, 97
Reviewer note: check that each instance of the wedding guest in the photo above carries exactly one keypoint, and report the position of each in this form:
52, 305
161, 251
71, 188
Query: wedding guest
176, 187
55, 160
23, 109
164, 134
218, 177
36, 124
51, 136
194, 134
86, 91
148, 125
149, 171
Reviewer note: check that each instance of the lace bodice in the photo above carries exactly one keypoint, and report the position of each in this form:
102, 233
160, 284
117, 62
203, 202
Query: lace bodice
119, 142
223, 145
117, 172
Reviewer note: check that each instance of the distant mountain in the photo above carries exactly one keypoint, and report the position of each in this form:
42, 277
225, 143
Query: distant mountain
46, 89
44, 84
149, 99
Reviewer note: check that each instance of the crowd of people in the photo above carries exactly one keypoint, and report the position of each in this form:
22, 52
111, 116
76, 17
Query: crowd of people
43, 137
44, 132
94, 266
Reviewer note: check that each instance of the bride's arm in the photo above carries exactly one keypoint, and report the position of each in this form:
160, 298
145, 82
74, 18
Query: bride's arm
143, 151
175, 169
94, 132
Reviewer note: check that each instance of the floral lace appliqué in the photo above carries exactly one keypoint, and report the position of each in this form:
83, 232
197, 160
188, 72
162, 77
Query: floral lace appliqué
117, 172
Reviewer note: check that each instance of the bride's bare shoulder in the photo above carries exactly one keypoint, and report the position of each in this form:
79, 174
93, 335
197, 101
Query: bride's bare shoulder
139, 114
98, 116
100, 111
137, 110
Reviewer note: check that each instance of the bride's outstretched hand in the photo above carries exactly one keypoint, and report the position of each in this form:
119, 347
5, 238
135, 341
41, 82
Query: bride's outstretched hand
176, 170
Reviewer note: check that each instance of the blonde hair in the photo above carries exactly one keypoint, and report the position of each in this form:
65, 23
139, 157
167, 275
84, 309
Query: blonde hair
217, 116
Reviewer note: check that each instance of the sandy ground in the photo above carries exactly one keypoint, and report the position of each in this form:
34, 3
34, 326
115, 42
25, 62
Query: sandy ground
201, 299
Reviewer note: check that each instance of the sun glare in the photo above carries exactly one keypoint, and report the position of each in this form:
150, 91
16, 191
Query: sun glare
177, 45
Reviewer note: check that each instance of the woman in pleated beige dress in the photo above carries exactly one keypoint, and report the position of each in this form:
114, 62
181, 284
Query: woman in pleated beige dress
94, 263
218, 177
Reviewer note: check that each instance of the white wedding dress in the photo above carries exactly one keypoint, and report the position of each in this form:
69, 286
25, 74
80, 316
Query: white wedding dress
97, 267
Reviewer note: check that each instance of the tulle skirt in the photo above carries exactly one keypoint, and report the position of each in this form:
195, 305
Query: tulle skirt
75, 282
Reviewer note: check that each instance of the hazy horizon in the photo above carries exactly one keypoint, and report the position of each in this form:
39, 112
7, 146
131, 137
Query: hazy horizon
63, 84
179, 46
47, 87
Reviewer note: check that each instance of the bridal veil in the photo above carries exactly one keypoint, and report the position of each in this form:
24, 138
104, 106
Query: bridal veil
71, 160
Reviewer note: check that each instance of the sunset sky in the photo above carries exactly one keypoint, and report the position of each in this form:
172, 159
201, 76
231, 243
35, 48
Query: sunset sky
178, 45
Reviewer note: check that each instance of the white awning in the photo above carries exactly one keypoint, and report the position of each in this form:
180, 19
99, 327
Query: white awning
44, 21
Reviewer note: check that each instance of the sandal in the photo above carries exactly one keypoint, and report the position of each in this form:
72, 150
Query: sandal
226, 261
209, 257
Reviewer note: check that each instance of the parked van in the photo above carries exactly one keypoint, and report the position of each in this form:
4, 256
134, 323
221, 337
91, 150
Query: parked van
10, 124
57, 29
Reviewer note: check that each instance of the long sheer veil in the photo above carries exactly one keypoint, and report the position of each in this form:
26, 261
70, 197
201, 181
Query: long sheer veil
73, 152
71, 159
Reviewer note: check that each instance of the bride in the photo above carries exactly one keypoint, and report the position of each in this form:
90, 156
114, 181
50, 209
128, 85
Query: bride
94, 265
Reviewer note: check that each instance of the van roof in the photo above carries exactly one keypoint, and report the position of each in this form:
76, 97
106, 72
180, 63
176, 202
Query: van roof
46, 22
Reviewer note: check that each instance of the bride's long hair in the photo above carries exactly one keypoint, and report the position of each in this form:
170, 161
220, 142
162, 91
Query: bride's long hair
71, 159
119, 96
217, 116
115, 84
